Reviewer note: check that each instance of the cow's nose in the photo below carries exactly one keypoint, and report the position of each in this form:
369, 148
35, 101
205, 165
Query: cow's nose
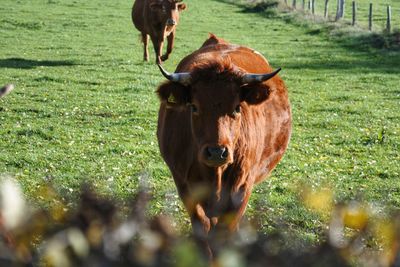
171, 22
217, 153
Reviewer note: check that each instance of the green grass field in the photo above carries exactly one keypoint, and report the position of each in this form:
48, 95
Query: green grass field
84, 107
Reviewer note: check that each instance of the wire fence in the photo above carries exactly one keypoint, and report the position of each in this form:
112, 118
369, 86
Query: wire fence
374, 15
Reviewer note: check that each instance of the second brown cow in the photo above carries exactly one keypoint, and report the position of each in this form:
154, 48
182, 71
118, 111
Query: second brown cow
224, 124
157, 19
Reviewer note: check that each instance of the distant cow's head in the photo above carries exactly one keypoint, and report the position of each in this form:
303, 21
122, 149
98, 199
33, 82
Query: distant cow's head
216, 94
167, 12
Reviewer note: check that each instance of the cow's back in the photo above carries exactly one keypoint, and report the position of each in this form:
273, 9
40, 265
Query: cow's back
248, 59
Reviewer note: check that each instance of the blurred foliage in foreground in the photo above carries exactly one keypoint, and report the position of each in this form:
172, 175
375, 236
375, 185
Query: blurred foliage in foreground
98, 233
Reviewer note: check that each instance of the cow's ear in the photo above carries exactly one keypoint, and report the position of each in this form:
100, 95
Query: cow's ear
173, 94
181, 6
254, 94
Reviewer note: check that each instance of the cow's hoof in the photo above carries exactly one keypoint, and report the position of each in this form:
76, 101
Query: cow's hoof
164, 57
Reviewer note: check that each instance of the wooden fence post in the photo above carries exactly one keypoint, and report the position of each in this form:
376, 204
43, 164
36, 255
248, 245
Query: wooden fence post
354, 13
313, 6
342, 9
370, 17
389, 19
338, 6
326, 9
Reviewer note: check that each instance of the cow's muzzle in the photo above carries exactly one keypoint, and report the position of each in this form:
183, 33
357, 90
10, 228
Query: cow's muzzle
171, 22
215, 156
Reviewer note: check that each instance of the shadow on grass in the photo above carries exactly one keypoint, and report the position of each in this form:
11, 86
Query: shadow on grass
386, 65
22, 63
389, 42
266, 9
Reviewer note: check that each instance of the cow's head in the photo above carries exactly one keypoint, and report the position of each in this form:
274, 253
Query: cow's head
167, 12
216, 94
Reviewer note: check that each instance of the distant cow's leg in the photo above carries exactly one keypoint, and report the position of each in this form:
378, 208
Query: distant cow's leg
158, 46
145, 40
170, 46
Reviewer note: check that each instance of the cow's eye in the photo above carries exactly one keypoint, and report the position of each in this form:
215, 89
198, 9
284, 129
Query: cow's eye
237, 110
193, 108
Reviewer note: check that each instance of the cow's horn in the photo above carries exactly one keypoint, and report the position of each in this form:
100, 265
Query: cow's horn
182, 77
257, 78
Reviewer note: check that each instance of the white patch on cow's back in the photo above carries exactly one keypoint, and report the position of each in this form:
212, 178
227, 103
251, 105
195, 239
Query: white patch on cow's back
261, 55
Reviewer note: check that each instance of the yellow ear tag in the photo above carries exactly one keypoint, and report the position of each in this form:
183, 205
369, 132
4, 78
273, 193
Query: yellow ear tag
171, 99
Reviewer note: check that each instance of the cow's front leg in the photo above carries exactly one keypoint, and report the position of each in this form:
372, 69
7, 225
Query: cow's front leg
201, 226
158, 46
240, 196
145, 40
194, 196
170, 46
201, 223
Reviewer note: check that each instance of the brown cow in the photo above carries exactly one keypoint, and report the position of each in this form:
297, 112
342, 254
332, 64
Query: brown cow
157, 19
224, 124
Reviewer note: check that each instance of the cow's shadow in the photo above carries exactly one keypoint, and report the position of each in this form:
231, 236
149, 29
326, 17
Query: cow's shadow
22, 63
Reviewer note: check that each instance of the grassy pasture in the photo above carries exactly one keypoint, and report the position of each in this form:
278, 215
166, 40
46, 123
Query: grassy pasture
84, 108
